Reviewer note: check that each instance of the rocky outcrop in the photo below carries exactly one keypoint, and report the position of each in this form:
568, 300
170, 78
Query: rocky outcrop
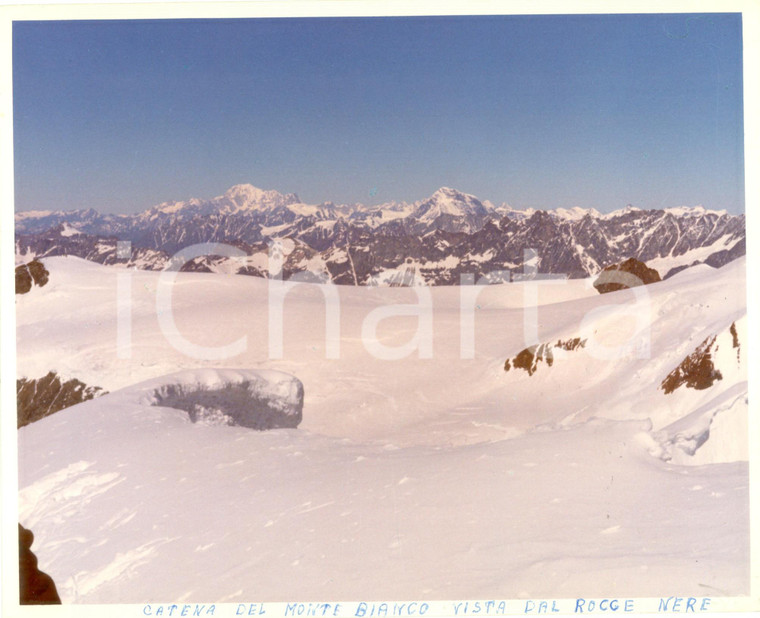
628, 274
30, 274
571, 344
696, 371
528, 358
718, 357
35, 587
41, 397
735, 338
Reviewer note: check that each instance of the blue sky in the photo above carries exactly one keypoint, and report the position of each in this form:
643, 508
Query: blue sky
537, 111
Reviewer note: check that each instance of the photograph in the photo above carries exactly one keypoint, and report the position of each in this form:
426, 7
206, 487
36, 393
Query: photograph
377, 313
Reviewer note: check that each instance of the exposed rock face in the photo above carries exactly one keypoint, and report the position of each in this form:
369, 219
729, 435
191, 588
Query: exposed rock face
35, 587
41, 397
431, 242
571, 344
529, 358
734, 337
627, 274
27, 275
718, 368
696, 370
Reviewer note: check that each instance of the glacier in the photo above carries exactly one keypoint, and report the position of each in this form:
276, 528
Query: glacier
418, 478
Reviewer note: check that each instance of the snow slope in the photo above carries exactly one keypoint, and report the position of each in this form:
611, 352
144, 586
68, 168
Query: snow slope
664, 264
439, 477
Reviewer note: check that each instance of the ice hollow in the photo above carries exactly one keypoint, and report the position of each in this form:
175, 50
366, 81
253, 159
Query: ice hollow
255, 399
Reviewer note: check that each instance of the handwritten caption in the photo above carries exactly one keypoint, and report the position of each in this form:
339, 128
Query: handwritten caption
466, 609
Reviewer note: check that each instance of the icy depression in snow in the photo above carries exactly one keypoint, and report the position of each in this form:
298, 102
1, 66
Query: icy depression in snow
256, 399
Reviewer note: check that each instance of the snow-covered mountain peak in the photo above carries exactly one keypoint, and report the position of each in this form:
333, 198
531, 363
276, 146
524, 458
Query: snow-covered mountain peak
694, 211
629, 208
448, 201
450, 210
576, 213
518, 214
248, 197
392, 206
239, 198
446, 195
243, 191
447, 192
169, 208
34, 214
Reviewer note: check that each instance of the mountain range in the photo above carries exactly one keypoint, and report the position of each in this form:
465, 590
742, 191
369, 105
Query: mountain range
434, 241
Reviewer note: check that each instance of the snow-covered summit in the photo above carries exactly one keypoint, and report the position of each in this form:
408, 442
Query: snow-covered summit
629, 208
239, 198
449, 201
450, 210
246, 196
576, 213
694, 211
35, 214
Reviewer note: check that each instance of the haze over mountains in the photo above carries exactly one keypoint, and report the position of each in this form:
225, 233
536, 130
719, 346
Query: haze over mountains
432, 241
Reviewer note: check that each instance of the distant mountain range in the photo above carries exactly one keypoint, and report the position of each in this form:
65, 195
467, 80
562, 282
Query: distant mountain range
433, 241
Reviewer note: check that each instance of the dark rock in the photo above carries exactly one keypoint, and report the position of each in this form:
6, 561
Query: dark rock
32, 273
628, 274
529, 358
735, 340
41, 397
677, 269
35, 587
721, 258
696, 371
23, 279
571, 344
734, 335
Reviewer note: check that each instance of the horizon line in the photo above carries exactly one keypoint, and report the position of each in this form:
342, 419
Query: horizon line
358, 204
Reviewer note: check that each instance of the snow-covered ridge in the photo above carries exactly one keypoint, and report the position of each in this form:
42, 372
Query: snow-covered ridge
629, 208
575, 213
694, 211
448, 201
440, 234
445, 200
238, 198
35, 214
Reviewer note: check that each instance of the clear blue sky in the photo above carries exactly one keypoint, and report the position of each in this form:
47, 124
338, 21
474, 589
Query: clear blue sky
538, 111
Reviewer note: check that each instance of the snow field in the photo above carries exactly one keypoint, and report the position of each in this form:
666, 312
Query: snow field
419, 478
